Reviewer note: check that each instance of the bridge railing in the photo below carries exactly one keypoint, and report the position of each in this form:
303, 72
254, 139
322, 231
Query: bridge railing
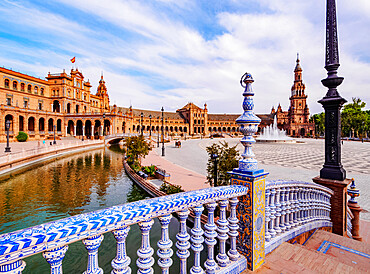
41, 149
293, 208
52, 239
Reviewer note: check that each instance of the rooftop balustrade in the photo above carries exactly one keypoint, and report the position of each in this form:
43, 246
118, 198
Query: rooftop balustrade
52, 239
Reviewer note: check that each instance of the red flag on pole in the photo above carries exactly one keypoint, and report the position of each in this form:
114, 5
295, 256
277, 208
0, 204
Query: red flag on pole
73, 59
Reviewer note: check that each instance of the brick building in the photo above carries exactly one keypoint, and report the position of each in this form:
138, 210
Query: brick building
65, 103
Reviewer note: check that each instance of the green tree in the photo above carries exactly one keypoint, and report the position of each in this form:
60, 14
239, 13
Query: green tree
228, 159
136, 147
354, 119
319, 120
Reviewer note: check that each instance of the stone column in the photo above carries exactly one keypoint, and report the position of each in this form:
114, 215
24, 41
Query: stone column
83, 130
66, 130
74, 133
251, 209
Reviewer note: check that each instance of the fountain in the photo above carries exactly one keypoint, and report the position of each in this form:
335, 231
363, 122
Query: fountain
271, 133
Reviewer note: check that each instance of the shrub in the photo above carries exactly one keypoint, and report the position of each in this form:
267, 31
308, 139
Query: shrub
170, 189
22, 136
150, 170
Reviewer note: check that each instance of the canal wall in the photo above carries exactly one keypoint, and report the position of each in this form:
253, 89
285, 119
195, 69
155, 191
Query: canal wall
13, 161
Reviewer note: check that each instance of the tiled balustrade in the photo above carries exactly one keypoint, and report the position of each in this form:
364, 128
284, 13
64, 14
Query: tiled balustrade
293, 208
52, 239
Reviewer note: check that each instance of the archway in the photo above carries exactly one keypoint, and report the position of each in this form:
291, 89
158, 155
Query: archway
70, 127
79, 128
88, 129
59, 125
302, 132
56, 106
106, 129
21, 123
9, 118
31, 125
50, 125
97, 129
42, 125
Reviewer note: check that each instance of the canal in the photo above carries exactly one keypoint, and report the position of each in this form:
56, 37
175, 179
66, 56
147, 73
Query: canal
72, 185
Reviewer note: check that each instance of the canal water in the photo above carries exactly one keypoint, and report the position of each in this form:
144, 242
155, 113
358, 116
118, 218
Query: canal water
73, 185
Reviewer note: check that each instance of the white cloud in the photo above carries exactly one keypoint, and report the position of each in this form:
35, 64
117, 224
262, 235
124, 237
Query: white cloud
152, 59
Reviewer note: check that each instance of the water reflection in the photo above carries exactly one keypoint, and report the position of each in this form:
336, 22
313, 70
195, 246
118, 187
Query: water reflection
72, 185
64, 187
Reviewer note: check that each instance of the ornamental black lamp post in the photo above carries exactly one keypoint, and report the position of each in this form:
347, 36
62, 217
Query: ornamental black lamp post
54, 142
103, 124
162, 133
214, 157
7, 126
141, 123
332, 102
158, 132
150, 127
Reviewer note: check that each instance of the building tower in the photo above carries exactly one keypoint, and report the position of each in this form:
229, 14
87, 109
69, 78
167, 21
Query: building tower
299, 113
102, 92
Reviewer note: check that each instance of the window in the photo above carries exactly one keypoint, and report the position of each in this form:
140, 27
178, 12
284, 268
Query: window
42, 91
53, 92
8, 101
6, 83
29, 88
25, 103
22, 86
40, 105
36, 89
15, 85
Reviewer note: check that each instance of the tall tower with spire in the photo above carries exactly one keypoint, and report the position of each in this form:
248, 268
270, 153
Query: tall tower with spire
298, 114
103, 93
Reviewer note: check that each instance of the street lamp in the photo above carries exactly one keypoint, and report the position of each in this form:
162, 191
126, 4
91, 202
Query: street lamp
150, 127
141, 122
214, 157
158, 131
162, 133
54, 142
103, 124
7, 126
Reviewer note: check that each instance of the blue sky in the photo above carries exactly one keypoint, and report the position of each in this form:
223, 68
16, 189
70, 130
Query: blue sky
170, 52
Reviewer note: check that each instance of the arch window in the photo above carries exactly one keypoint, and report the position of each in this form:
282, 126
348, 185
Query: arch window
36, 89
22, 86
6, 83
29, 88
42, 91
15, 85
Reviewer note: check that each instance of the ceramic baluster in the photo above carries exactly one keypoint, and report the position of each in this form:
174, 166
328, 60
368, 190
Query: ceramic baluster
278, 211
267, 214
145, 253
222, 231
197, 240
92, 245
121, 262
55, 257
182, 243
272, 230
233, 230
210, 234
164, 244
13, 267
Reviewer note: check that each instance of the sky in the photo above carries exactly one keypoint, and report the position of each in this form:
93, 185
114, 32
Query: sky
170, 52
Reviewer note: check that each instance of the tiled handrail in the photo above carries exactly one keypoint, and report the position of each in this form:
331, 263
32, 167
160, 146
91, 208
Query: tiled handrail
53, 238
293, 208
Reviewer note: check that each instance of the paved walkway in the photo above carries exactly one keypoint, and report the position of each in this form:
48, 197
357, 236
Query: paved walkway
187, 179
20, 146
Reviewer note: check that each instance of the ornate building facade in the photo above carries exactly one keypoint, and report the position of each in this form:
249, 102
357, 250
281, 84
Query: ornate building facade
64, 103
